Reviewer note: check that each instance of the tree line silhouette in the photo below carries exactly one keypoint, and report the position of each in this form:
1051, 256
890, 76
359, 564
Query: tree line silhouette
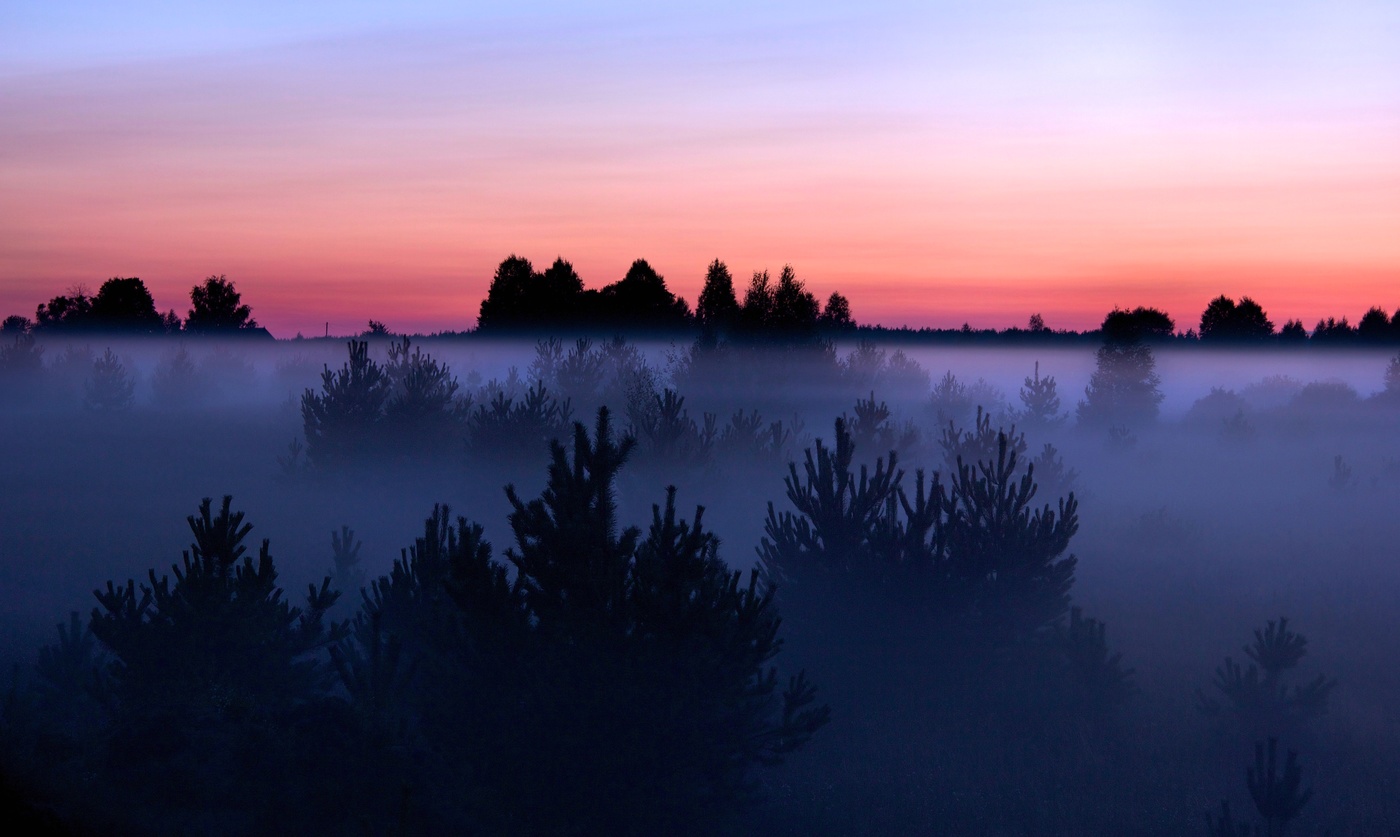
522, 299
125, 305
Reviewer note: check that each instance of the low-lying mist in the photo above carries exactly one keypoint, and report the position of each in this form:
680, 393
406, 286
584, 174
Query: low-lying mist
1259, 486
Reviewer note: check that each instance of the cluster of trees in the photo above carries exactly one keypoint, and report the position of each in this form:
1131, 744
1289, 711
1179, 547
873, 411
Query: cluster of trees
1226, 321
125, 305
601, 679
521, 298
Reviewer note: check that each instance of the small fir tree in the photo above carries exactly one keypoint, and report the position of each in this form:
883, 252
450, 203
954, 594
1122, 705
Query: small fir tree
1040, 401
1262, 699
109, 387
341, 421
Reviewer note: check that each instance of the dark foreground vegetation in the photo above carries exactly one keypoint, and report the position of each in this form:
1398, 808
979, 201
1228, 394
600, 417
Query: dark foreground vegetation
965, 613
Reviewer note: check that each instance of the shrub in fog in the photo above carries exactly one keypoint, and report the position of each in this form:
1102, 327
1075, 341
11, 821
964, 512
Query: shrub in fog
423, 415
619, 682
971, 567
177, 382
1278, 797
977, 443
1272, 392
1124, 387
666, 434
21, 363
1392, 377
748, 439
873, 428
1040, 403
950, 400
1053, 476
109, 387
182, 703
870, 367
975, 547
1221, 411
229, 375
1324, 397
220, 642
342, 420
595, 374
1265, 698
517, 429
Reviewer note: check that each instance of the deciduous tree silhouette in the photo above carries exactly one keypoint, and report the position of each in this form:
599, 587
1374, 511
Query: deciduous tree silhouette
1138, 324
217, 308
126, 305
1225, 321
66, 311
836, 316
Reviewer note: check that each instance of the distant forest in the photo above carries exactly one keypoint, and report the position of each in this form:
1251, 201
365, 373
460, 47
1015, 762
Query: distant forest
522, 299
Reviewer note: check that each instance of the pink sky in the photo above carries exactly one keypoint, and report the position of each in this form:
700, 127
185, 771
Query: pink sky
384, 177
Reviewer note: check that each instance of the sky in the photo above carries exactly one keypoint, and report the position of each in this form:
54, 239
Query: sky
936, 162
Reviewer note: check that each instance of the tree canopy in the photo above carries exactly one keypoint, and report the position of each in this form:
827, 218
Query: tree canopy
217, 307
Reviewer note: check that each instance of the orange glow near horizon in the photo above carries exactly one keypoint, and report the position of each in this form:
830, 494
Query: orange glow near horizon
330, 194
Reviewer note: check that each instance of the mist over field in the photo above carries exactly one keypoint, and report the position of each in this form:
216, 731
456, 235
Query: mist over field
1263, 489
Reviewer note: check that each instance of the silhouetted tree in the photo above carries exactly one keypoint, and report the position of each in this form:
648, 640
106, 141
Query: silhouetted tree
126, 305
515, 429
1223, 320
220, 641
1040, 402
718, 308
1123, 389
1374, 327
422, 412
341, 422
836, 316
73, 310
641, 300
1392, 378
619, 684
507, 302
757, 312
1333, 332
795, 309
1135, 325
1293, 332
977, 549
217, 308
16, 324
